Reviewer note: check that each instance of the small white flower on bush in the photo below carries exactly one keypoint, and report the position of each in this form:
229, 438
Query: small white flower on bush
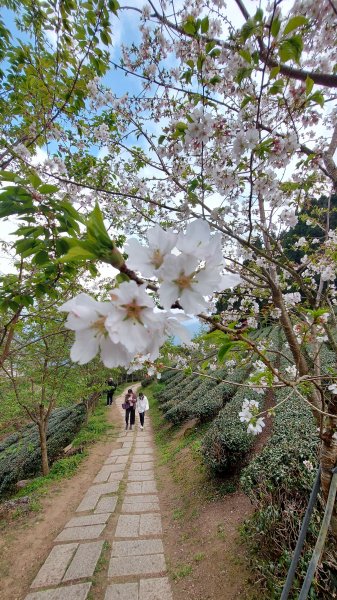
248, 414
256, 426
333, 388
308, 465
292, 371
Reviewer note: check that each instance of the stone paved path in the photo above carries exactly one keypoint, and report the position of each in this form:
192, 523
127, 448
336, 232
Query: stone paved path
121, 507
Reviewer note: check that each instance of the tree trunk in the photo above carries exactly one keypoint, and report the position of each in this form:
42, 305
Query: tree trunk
328, 459
42, 425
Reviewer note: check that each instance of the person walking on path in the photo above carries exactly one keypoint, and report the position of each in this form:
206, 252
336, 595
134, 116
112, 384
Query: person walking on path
110, 391
142, 407
129, 406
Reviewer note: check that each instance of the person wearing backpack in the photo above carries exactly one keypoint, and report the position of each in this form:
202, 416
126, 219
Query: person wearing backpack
142, 407
110, 391
129, 406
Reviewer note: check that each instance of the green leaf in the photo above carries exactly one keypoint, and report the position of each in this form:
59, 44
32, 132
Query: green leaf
224, 350
96, 229
275, 27
291, 49
243, 73
294, 23
246, 101
317, 97
277, 87
248, 29
204, 25
246, 55
274, 72
47, 188
309, 84
258, 15
122, 277
190, 26
8, 176
41, 258
77, 253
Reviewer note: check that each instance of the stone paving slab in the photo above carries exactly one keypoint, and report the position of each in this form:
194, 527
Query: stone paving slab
127, 526
79, 591
140, 475
111, 460
122, 591
139, 459
53, 569
88, 520
150, 524
137, 548
141, 487
116, 476
84, 561
93, 495
106, 504
104, 488
106, 471
120, 452
141, 498
89, 502
155, 589
122, 460
140, 466
143, 451
140, 507
80, 533
137, 565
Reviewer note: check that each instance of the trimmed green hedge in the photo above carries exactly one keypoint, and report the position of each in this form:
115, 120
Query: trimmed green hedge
20, 454
279, 485
182, 407
227, 442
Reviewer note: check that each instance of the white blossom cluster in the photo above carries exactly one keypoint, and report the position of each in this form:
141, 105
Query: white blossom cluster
248, 414
130, 324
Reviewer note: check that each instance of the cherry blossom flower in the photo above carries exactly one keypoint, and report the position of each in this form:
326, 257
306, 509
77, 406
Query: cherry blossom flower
132, 319
181, 280
87, 318
197, 241
149, 259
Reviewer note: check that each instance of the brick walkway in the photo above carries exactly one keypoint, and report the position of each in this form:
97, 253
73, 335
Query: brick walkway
123, 494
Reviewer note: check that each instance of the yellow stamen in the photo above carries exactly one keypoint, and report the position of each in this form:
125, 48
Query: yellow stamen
133, 310
184, 281
157, 259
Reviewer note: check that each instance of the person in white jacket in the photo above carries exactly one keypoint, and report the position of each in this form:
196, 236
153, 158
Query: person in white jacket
142, 407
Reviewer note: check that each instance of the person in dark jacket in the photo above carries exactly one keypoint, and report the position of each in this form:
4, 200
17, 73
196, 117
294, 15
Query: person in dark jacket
110, 391
130, 401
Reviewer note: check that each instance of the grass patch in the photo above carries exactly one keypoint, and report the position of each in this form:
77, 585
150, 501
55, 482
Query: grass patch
181, 572
64, 468
199, 557
178, 514
96, 427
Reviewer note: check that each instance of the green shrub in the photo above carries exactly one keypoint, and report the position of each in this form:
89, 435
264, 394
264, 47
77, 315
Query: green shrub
166, 376
227, 442
279, 485
147, 381
20, 454
181, 407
